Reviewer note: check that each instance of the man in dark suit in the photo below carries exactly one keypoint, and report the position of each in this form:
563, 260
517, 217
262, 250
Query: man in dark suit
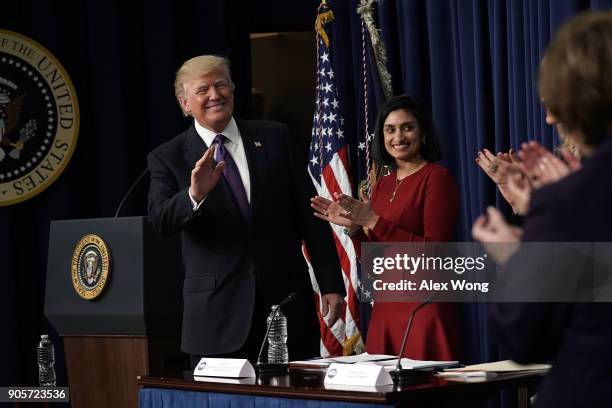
575, 337
238, 192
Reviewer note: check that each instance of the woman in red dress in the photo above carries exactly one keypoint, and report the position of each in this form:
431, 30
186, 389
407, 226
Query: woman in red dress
416, 202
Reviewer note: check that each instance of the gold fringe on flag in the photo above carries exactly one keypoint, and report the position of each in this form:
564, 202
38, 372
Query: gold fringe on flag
380, 54
324, 16
353, 345
365, 11
375, 172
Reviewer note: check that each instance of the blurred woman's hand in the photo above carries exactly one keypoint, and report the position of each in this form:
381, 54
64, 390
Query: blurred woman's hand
542, 167
501, 240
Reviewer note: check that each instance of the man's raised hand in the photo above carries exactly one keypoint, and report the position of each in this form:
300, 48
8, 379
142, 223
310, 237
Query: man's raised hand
205, 175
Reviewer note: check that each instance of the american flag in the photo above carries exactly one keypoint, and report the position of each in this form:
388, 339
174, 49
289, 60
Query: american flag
329, 170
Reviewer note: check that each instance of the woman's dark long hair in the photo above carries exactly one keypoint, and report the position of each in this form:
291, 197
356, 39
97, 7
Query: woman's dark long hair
430, 147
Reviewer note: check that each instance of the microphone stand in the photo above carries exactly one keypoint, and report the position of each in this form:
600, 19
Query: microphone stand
400, 375
130, 192
271, 368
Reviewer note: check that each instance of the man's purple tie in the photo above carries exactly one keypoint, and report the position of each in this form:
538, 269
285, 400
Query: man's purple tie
232, 175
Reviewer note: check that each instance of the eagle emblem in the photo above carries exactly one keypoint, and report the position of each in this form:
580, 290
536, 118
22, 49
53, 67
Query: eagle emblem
39, 118
91, 261
10, 113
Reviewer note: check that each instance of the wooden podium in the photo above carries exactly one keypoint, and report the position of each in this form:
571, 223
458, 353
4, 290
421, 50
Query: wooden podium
133, 322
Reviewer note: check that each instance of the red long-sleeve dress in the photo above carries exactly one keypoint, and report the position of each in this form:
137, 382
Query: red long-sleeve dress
425, 208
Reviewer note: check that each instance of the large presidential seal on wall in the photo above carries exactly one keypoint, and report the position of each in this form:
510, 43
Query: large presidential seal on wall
90, 266
39, 118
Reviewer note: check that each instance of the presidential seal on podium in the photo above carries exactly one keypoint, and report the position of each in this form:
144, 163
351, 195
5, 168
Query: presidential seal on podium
90, 266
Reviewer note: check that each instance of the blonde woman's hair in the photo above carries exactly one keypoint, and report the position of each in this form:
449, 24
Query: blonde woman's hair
575, 80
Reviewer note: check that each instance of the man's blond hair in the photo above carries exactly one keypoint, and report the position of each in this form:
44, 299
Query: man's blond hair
195, 68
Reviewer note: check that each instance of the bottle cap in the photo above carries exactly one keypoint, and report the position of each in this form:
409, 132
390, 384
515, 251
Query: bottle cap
44, 336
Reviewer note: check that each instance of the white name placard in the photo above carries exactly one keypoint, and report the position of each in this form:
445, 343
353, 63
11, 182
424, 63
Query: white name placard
357, 374
224, 367
225, 380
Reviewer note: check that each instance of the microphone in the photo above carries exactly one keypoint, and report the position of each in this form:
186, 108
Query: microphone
401, 375
269, 368
130, 192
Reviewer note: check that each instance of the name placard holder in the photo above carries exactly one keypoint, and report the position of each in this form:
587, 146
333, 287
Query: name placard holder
224, 367
357, 374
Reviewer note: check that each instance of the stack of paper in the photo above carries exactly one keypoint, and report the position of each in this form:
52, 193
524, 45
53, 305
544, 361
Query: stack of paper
325, 362
389, 362
408, 363
492, 370
362, 358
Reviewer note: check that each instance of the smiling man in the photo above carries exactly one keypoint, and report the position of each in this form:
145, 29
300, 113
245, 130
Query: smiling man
238, 191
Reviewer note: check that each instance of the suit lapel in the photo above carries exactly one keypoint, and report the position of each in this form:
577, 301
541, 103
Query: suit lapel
221, 194
193, 147
256, 160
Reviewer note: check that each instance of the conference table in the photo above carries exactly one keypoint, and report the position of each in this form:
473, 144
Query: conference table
304, 388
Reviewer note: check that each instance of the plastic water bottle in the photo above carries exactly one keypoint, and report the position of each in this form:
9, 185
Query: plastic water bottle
46, 362
277, 338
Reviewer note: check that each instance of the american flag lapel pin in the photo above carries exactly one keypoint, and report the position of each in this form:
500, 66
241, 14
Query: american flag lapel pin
257, 144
